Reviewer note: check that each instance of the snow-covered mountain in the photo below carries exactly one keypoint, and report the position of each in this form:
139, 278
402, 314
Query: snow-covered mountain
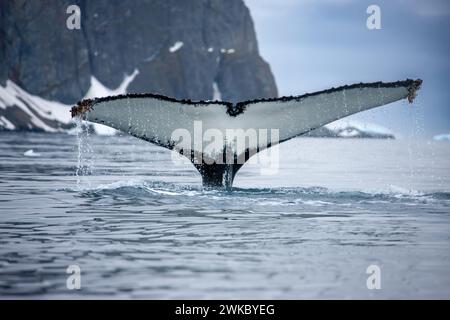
98, 90
46, 68
212, 52
20, 110
352, 129
179, 47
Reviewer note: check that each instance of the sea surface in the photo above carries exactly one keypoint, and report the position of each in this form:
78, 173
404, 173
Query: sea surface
136, 222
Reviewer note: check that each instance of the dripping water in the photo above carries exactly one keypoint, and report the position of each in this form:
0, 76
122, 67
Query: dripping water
416, 134
129, 115
345, 101
133, 146
381, 94
85, 151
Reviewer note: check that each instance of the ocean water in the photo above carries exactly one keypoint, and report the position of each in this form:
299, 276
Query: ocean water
138, 224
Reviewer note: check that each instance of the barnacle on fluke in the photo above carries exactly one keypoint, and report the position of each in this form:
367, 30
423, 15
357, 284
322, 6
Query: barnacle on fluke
82, 107
413, 90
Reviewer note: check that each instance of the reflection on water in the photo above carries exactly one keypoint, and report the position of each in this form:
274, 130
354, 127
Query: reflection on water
141, 226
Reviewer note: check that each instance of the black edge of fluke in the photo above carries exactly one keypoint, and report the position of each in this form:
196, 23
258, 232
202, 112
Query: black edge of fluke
412, 85
86, 105
234, 110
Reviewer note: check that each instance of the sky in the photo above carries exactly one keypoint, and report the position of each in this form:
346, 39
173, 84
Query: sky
316, 44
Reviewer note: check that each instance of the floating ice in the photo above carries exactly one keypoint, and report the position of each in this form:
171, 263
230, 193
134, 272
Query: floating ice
31, 153
442, 137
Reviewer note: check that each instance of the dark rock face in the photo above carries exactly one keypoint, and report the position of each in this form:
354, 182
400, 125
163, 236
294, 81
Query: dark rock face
41, 55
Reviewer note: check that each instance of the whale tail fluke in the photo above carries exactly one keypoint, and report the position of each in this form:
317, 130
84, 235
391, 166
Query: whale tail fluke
170, 123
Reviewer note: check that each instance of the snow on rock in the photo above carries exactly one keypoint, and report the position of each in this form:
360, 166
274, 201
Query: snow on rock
341, 125
6, 124
31, 153
210, 49
20, 110
98, 90
352, 129
442, 137
177, 45
228, 51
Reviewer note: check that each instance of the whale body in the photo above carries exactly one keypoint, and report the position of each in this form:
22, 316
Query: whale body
155, 118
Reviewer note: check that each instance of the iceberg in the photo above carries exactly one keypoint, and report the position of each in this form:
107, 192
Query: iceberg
31, 153
442, 137
352, 129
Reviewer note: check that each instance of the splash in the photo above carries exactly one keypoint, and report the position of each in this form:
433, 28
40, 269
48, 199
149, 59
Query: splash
85, 152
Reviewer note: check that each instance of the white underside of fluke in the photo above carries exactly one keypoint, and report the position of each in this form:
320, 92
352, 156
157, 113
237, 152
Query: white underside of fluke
98, 90
155, 119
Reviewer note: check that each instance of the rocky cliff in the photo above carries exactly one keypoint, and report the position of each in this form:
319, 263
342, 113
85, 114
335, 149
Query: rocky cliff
193, 49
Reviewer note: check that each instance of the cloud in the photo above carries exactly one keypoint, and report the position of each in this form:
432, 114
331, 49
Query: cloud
266, 8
